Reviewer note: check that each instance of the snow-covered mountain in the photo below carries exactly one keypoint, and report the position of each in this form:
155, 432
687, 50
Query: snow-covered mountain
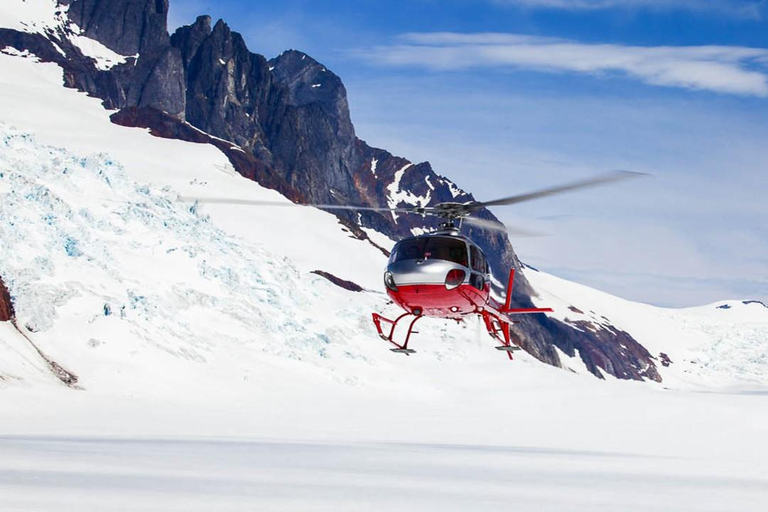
98, 243
112, 274
283, 123
714, 346
168, 355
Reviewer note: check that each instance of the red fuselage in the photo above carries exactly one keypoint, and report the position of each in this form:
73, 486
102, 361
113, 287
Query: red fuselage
436, 300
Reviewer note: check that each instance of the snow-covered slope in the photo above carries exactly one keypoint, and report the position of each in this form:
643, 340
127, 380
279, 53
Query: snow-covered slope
715, 346
118, 280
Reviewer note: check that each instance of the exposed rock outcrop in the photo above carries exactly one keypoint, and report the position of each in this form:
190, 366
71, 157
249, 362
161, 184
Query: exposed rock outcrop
6, 305
343, 283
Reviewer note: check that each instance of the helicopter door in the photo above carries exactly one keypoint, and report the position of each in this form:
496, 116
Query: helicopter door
479, 266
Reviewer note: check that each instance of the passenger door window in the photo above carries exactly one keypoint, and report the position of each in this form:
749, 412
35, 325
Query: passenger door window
478, 261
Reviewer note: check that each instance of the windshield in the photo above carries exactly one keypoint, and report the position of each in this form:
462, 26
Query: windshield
432, 248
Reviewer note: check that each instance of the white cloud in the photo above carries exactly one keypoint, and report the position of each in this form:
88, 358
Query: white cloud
723, 69
738, 8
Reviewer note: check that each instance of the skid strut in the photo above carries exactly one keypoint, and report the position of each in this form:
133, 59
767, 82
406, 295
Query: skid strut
400, 349
499, 330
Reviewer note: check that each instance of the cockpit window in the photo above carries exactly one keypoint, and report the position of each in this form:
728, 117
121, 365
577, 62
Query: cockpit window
478, 261
432, 248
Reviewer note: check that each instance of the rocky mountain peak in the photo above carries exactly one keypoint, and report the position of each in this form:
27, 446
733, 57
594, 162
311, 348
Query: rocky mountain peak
228, 89
189, 37
310, 82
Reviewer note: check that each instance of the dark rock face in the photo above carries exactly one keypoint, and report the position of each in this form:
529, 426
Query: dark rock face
125, 26
608, 349
189, 38
288, 125
6, 306
229, 91
314, 133
163, 79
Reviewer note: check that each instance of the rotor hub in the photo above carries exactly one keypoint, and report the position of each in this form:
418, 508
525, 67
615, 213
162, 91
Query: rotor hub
452, 211
449, 228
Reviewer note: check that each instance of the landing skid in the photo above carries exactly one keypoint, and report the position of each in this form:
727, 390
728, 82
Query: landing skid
378, 320
499, 330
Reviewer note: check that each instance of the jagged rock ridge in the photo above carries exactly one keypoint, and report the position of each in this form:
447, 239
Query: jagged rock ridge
291, 118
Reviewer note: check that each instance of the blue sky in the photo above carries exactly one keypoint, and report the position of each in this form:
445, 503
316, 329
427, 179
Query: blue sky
504, 96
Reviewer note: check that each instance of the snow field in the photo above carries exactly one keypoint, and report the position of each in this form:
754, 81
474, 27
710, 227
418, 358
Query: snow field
199, 475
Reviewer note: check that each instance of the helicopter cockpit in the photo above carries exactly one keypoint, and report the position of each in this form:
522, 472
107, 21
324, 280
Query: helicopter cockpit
431, 248
434, 259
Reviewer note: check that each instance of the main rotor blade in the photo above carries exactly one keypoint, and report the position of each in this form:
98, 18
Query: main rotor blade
248, 202
576, 185
492, 225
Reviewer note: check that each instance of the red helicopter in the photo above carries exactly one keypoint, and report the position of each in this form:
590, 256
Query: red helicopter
444, 274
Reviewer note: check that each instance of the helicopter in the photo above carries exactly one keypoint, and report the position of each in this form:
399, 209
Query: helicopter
444, 274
